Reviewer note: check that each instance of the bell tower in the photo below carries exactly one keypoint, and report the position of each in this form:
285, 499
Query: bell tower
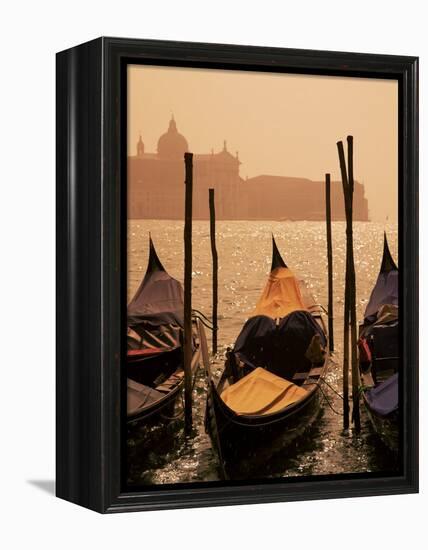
140, 148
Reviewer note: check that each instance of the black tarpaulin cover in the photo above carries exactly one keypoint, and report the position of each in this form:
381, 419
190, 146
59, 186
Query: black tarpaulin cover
156, 311
383, 399
386, 288
278, 348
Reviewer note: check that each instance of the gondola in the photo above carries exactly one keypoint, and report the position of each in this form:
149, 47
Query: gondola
379, 353
270, 390
154, 365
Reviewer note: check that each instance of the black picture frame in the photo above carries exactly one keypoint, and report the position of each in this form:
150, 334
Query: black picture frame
91, 218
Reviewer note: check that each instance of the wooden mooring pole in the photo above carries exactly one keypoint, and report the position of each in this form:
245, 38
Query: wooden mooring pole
353, 297
350, 292
215, 271
330, 262
346, 304
188, 162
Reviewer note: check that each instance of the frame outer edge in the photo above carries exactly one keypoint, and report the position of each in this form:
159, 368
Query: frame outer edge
79, 429
89, 261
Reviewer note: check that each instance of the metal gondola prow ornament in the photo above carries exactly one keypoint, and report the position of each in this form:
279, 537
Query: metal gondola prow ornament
154, 263
388, 263
277, 260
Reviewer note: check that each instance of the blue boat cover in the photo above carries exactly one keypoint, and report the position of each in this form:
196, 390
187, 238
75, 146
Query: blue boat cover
278, 348
383, 399
384, 292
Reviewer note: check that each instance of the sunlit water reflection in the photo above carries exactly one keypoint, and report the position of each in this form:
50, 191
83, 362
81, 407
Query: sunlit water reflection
244, 249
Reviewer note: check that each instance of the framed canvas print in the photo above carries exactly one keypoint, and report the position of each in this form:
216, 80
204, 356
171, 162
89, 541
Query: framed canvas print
237, 279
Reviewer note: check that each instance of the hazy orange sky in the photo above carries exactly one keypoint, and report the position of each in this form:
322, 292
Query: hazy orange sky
281, 124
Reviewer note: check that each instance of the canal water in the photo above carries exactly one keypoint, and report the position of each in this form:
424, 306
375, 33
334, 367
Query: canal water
245, 251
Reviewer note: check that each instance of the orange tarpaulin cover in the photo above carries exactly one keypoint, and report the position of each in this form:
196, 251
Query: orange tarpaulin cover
261, 392
281, 295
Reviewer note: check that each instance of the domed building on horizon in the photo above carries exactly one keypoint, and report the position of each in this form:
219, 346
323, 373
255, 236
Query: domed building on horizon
172, 145
156, 187
156, 180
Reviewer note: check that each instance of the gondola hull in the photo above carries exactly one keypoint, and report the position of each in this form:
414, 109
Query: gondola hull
384, 356
386, 427
163, 410
244, 444
160, 411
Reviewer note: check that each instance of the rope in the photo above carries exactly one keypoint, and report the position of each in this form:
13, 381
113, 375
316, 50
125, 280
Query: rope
331, 387
175, 417
200, 314
328, 402
209, 327
321, 307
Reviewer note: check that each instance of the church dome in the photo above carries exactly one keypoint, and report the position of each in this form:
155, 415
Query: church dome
172, 145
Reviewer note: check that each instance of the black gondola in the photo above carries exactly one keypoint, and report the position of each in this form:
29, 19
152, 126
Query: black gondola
269, 392
379, 352
155, 375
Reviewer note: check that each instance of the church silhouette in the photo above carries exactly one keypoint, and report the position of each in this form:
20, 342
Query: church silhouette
156, 187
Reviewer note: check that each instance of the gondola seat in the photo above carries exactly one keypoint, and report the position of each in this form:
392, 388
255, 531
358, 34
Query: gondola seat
261, 392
